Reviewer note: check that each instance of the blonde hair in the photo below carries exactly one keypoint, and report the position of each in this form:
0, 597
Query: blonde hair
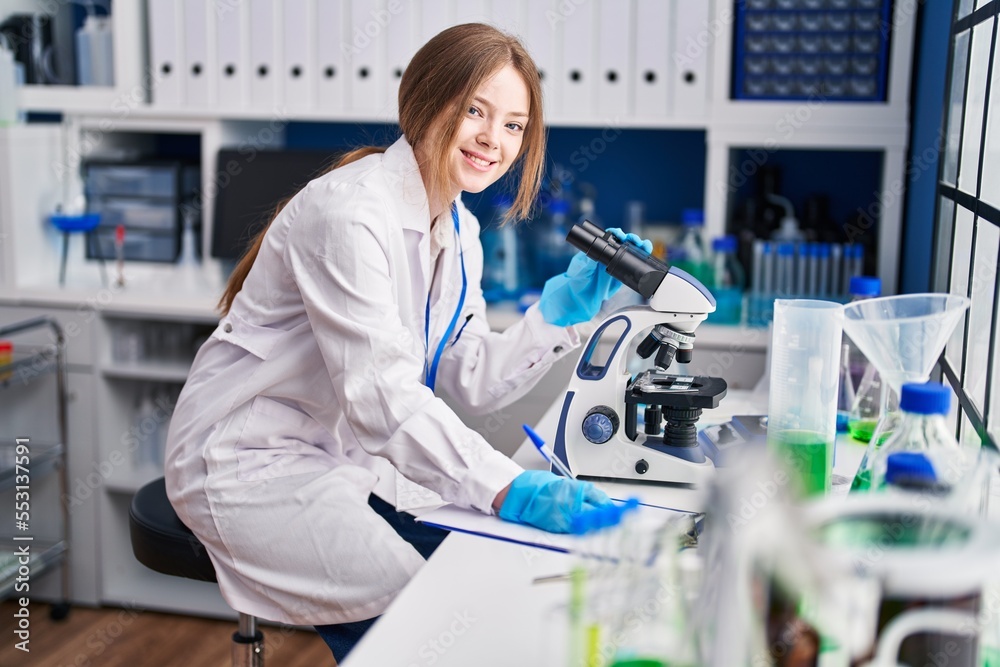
451, 67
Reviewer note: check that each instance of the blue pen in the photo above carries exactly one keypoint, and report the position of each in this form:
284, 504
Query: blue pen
546, 454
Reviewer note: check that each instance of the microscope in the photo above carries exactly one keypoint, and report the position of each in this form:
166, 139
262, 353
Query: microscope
598, 435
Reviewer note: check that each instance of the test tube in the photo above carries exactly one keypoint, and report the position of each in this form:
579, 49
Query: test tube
756, 284
857, 261
813, 287
786, 268
823, 270
768, 284
845, 283
801, 260
836, 256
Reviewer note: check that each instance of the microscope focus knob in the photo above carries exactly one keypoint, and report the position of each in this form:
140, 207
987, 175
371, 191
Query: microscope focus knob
600, 424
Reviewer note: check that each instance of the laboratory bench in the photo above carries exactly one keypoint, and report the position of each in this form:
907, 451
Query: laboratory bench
489, 602
128, 353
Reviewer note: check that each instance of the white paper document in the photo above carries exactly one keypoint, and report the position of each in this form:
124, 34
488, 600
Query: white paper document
472, 522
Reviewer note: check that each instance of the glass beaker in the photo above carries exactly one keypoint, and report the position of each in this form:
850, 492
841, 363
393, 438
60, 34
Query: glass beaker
802, 403
902, 336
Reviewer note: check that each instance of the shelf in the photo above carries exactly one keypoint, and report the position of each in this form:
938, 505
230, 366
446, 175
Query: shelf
43, 459
43, 555
152, 371
29, 360
69, 99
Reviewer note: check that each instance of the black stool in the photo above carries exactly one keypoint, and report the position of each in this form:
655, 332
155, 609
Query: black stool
161, 542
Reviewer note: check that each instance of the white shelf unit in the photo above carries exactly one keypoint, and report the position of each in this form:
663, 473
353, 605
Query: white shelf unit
35, 161
131, 78
814, 125
143, 361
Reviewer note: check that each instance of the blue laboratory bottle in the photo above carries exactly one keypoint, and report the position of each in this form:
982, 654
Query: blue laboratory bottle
728, 282
933, 453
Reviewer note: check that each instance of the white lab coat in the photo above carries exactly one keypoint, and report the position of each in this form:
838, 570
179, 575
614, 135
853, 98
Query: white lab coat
309, 396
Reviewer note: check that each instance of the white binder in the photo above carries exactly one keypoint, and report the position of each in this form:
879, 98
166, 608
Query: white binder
231, 64
198, 69
435, 16
540, 39
653, 73
578, 81
690, 58
614, 72
508, 16
264, 16
333, 50
166, 53
366, 51
400, 46
471, 11
297, 49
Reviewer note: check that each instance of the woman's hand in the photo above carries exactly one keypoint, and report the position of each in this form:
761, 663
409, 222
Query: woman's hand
545, 500
576, 295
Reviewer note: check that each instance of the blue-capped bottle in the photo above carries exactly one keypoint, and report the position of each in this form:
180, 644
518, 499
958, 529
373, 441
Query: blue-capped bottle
690, 251
922, 453
727, 283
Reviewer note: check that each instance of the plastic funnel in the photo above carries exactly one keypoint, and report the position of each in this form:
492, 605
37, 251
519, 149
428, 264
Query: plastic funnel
903, 336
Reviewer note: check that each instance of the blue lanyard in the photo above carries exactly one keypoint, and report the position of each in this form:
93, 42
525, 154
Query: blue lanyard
431, 373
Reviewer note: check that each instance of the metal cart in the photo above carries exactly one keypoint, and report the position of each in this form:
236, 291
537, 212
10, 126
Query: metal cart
24, 462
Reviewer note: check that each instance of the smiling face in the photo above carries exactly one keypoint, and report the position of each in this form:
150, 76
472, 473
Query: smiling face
491, 133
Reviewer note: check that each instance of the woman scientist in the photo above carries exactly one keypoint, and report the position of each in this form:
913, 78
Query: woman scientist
313, 403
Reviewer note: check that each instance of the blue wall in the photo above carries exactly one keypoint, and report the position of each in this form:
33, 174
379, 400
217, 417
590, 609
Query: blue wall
928, 101
664, 169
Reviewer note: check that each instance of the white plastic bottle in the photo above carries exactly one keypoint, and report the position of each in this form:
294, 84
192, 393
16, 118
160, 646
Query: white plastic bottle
924, 454
94, 52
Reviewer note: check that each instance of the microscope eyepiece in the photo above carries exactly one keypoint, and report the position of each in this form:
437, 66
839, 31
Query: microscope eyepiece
628, 263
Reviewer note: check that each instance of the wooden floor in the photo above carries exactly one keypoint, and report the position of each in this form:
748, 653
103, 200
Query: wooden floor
114, 637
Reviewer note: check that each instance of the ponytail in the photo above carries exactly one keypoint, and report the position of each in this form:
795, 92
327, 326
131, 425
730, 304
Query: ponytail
239, 274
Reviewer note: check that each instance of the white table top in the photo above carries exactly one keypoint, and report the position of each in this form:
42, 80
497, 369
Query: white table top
475, 602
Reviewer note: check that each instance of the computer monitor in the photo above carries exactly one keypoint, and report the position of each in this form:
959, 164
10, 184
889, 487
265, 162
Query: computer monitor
249, 187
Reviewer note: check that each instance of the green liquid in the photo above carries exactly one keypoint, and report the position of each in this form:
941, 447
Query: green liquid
862, 429
989, 657
862, 481
639, 662
808, 457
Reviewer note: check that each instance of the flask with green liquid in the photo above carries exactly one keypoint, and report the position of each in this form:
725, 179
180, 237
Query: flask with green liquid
862, 412
921, 454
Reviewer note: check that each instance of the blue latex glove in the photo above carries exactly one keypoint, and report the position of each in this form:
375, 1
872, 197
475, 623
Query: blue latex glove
576, 296
545, 500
